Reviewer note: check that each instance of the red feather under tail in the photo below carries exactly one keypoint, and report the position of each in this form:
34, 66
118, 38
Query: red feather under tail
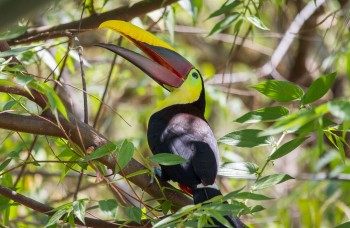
186, 189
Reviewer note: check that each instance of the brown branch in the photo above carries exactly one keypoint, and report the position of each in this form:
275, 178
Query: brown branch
28, 124
45, 209
34, 96
123, 13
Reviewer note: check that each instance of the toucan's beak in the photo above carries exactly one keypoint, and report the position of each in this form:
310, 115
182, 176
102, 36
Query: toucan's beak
167, 67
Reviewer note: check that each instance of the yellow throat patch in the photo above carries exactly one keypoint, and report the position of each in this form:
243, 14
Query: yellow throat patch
187, 93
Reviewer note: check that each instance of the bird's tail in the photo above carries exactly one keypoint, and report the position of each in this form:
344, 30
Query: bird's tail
205, 193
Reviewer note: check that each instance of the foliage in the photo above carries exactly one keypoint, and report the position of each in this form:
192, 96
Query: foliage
285, 155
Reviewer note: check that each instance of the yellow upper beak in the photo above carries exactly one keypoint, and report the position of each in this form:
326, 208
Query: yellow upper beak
134, 33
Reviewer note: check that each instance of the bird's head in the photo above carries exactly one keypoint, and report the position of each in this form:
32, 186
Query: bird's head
165, 65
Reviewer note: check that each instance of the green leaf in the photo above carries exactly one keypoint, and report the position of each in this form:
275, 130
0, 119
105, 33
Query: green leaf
6, 82
319, 131
225, 8
134, 213
244, 170
340, 147
246, 138
17, 51
344, 225
219, 217
79, 210
55, 102
223, 24
318, 88
256, 208
167, 159
15, 153
237, 26
109, 207
271, 180
297, 120
68, 153
23, 80
281, 91
101, 151
125, 155
71, 220
257, 22
139, 172
166, 205
202, 221
186, 209
6, 205
180, 213
56, 217
262, 115
340, 109
314, 126
196, 6
9, 105
232, 195
287, 148
4, 164
225, 208
15, 31
6, 180
251, 196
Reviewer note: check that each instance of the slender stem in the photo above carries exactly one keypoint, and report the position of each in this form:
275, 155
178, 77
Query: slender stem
268, 160
27, 159
275, 147
106, 87
65, 58
86, 112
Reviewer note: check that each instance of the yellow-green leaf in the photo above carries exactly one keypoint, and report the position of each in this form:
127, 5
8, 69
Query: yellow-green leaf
318, 88
281, 91
167, 159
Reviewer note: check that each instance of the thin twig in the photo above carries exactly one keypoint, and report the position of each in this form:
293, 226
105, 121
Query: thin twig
86, 112
27, 158
102, 100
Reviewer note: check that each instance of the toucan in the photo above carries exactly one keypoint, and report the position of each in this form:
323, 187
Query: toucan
178, 125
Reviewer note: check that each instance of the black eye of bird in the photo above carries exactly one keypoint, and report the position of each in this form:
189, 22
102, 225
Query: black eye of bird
195, 75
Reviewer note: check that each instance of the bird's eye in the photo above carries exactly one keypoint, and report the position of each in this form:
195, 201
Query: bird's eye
195, 75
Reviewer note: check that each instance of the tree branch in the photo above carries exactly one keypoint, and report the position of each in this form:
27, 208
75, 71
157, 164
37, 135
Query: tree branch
45, 209
29, 124
123, 13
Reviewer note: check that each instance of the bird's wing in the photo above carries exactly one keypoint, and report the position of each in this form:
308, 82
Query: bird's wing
192, 139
